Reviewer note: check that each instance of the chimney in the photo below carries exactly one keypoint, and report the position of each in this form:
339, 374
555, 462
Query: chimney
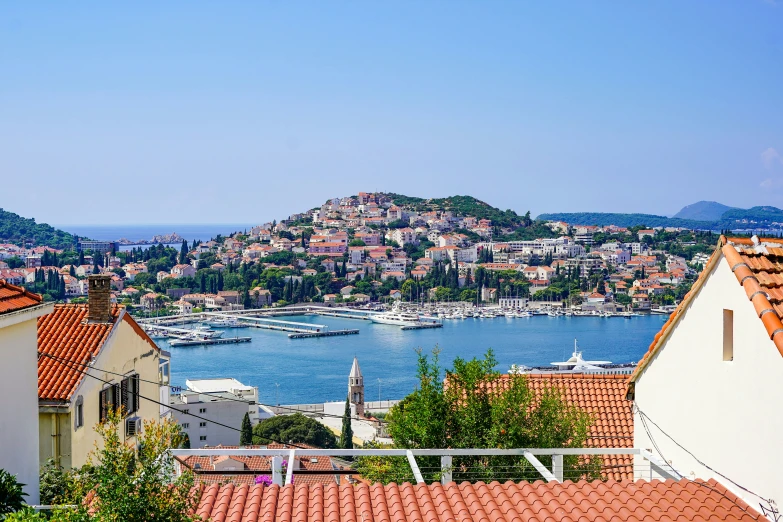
99, 299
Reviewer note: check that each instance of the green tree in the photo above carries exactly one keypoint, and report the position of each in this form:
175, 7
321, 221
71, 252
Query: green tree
346, 435
135, 483
479, 408
246, 435
183, 252
295, 429
11, 494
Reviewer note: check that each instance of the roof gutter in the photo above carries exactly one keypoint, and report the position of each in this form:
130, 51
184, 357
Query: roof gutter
25, 314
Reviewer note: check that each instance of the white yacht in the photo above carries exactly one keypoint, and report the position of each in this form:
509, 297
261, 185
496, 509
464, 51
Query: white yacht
398, 317
223, 322
576, 364
205, 332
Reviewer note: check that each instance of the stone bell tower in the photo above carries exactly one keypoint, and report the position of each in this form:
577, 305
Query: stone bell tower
356, 387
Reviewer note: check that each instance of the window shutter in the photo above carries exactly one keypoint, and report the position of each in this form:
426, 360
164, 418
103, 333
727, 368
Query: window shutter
115, 396
136, 381
102, 404
124, 395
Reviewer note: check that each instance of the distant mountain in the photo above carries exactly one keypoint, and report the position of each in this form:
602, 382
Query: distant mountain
14, 229
623, 220
756, 218
703, 211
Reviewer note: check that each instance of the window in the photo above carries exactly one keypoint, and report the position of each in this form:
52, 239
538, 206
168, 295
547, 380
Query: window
108, 400
185, 411
124, 394
202, 410
79, 412
202, 424
203, 437
185, 426
728, 335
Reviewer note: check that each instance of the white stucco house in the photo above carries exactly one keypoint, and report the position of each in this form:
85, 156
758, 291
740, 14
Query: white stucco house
708, 395
19, 313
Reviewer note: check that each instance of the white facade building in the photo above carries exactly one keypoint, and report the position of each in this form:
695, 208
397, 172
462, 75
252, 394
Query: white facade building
710, 386
217, 401
18, 373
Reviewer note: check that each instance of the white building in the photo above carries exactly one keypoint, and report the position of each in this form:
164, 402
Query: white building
709, 389
216, 401
19, 313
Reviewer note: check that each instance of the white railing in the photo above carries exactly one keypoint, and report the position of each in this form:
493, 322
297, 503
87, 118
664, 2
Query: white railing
655, 466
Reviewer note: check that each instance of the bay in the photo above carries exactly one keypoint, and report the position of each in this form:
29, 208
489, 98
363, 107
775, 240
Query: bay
316, 370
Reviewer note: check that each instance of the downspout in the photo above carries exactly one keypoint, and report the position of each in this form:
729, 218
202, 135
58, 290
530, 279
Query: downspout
55, 440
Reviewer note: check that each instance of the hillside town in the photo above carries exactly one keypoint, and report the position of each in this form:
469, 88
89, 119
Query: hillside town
96, 367
368, 249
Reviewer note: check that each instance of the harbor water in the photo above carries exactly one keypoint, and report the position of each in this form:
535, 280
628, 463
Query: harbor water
316, 370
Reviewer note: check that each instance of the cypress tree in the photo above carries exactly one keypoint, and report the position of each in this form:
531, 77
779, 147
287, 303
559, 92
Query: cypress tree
183, 252
246, 434
346, 436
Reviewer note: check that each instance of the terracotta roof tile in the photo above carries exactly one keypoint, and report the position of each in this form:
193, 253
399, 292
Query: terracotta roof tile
260, 463
684, 500
603, 397
66, 334
14, 298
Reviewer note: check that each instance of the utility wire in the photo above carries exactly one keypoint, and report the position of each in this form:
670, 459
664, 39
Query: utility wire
184, 412
769, 508
235, 398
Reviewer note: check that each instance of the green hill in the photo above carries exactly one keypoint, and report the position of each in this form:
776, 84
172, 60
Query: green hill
461, 206
15, 229
623, 220
703, 211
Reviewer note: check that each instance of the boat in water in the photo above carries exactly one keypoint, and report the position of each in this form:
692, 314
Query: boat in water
576, 364
223, 322
398, 317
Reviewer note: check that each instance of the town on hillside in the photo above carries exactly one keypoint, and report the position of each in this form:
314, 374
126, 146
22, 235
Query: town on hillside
376, 248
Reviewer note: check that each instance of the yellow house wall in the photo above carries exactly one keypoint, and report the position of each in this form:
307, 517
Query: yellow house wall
125, 352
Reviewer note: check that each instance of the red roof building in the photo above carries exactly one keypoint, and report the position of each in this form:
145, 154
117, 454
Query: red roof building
684, 501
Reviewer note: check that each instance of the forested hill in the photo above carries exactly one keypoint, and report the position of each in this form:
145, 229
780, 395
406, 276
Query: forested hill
624, 220
14, 229
462, 206
756, 218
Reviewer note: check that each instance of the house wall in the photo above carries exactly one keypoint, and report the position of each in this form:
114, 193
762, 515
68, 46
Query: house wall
226, 412
125, 352
725, 412
19, 424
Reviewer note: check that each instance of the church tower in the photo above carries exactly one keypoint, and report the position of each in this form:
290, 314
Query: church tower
356, 387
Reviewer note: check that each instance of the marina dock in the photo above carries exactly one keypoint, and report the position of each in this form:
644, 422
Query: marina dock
331, 333
197, 342
422, 326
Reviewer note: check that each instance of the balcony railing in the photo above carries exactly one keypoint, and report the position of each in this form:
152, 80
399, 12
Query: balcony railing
642, 463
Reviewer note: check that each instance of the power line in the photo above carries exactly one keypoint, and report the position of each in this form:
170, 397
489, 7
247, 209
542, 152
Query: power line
235, 398
770, 508
184, 412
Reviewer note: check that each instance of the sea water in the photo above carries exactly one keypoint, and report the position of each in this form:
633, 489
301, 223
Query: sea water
316, 369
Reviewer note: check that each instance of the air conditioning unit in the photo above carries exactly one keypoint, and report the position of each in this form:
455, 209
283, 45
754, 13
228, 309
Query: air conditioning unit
132, 426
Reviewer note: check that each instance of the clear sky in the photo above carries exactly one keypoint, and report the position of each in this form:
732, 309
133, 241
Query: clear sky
172, 112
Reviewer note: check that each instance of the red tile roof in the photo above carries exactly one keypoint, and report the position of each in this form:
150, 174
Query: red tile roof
260, 463
14, 298
603, 397
758, 269
684, 500
66, 334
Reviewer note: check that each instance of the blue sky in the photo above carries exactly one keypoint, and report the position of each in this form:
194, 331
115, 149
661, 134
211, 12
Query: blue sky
247, 111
